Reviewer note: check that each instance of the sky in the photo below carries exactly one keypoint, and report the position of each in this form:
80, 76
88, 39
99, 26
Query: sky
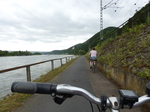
46, 25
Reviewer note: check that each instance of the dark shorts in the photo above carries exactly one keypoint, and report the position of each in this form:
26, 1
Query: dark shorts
93, 58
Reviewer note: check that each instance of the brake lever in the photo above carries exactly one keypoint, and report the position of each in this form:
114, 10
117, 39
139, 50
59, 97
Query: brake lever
60, 100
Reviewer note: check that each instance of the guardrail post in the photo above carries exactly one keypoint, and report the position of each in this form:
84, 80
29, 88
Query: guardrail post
28, 73
52, 64
66, 59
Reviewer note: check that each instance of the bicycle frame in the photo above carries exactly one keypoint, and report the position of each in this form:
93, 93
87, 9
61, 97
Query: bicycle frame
93, 65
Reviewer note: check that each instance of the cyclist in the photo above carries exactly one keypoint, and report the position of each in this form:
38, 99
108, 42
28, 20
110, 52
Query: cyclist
93, 55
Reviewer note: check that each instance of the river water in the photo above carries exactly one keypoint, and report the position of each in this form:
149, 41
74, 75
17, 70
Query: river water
7, 78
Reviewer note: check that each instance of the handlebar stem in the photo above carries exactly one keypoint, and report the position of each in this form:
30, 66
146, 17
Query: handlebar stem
115, 104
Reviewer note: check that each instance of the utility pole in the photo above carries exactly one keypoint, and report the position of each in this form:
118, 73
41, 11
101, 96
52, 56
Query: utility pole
148, 10
101, 14
101, 20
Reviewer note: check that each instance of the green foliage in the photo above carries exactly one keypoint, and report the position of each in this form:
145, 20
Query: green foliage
17, 53
148, 20
20, 53
130, 51
4, 53
145, 73
36, 53
81, 52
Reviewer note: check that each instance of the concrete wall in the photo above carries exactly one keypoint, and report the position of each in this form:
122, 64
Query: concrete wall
127, 80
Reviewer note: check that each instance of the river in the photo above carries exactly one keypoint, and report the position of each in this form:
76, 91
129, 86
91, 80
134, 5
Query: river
7, 78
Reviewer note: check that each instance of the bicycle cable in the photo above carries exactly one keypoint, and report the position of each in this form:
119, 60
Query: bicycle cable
91, 106
98, 108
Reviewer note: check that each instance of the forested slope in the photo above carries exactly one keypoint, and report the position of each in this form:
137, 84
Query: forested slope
130, 51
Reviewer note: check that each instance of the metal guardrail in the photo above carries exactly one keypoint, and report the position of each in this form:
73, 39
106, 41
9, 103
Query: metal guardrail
28, 71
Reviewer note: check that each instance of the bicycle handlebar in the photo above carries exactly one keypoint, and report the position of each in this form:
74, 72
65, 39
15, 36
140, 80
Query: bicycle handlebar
48, 88
67, 90
32, 87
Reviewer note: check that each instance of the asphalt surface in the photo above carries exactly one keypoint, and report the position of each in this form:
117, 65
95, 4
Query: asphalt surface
78, 74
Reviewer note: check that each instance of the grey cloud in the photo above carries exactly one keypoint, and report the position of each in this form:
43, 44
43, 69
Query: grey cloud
56, 21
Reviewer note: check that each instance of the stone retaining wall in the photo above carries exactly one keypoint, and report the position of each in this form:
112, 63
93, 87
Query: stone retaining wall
125, 79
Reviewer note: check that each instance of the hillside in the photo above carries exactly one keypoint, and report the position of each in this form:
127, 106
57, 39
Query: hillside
130, 51
83, 48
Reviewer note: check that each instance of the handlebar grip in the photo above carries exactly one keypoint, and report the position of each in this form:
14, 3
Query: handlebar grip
33, 87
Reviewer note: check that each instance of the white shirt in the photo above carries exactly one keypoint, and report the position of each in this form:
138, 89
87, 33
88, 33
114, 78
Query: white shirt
93, 53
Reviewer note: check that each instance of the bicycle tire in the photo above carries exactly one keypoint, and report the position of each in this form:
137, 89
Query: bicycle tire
93, 68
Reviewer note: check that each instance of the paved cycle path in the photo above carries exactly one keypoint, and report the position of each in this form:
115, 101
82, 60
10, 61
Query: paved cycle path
78, 74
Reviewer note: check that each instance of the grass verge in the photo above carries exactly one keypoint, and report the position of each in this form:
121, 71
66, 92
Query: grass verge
16, 100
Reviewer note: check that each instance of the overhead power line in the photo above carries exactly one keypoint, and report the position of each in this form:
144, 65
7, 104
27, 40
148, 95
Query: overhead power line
134, 8
108, 5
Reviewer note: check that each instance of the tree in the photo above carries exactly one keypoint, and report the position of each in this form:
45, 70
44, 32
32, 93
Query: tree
81, 52
37, 53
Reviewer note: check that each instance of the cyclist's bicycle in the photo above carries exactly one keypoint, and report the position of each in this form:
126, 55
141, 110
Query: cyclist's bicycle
128, 99
94, 62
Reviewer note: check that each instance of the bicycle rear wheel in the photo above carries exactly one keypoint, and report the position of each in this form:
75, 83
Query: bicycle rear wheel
93, 68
